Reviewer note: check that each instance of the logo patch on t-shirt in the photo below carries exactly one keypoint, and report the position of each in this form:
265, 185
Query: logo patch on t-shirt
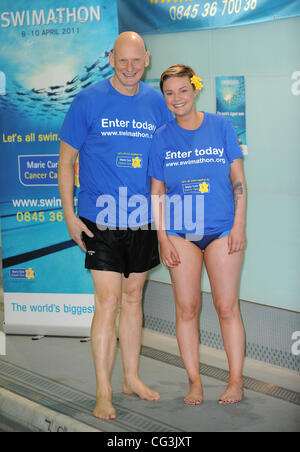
196, 186
130, 160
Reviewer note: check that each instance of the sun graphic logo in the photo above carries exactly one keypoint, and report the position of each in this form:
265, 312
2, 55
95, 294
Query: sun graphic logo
204, 187
30, 273
136, 163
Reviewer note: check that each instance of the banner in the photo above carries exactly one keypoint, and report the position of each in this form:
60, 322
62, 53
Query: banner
231, 102
49, 52
172, 16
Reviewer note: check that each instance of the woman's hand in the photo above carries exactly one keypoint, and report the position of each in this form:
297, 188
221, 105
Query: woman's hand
168, 253
237, 239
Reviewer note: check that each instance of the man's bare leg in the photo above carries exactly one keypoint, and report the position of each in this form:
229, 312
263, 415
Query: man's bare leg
130, 335
108, 288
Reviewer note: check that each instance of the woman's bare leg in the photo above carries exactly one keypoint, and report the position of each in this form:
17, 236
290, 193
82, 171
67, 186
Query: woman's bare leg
224, 275
187, 292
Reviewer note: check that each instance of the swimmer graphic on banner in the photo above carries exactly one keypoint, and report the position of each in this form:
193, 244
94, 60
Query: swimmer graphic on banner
2, 84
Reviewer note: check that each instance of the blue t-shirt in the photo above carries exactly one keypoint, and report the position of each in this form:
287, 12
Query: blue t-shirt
195, 166
113, 134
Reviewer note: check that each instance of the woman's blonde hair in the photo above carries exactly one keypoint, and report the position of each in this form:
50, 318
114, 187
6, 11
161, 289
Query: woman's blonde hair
178, 70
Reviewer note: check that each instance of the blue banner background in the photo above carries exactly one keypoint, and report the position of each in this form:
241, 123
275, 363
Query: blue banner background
171, 16
48, 54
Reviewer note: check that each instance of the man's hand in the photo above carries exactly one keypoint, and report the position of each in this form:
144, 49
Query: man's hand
76, 227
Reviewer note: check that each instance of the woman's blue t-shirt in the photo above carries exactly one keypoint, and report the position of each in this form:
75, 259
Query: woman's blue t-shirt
195, 166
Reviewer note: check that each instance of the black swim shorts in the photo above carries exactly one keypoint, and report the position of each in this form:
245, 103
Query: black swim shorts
122, 251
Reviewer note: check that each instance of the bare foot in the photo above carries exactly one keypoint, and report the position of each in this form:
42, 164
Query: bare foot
136, 386
104, 408
233, 394
195, 396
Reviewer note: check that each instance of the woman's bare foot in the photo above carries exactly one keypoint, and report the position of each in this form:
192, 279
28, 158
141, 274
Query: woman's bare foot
104, 408
233, 394
136, 386
195, 396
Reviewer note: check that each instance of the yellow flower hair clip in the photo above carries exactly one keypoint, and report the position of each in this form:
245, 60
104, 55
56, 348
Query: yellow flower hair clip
197, 82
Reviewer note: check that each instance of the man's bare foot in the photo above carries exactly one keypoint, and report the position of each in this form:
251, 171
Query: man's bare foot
104, 408
195, 396
136, 386
233, 394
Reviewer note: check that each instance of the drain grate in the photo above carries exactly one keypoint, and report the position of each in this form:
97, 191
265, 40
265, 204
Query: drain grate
219, 374
74, 403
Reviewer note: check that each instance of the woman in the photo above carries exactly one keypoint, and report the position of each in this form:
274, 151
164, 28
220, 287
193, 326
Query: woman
196, 161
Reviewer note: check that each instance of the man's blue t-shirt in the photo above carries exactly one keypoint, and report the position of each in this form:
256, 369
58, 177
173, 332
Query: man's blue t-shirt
195, 166
113, 134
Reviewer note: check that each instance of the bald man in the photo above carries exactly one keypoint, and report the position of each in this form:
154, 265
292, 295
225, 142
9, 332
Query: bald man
110, 125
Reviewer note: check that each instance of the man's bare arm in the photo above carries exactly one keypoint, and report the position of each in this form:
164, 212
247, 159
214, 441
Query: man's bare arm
66, 175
